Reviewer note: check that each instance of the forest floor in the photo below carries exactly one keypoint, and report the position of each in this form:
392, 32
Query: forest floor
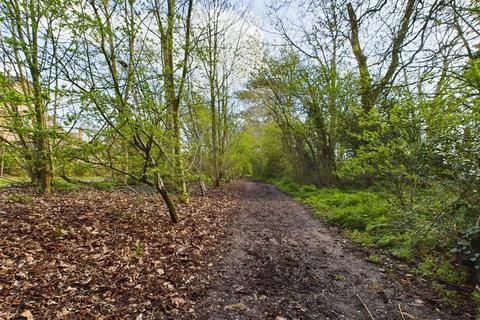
280, 262
246, 251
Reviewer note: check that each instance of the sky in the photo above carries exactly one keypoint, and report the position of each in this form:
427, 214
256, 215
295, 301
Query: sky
259, 10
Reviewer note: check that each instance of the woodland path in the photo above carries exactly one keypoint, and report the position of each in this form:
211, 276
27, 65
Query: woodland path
279, 262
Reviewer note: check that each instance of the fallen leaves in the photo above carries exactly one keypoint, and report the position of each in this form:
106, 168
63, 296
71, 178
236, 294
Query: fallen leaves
103, 254
177, 301
27, 315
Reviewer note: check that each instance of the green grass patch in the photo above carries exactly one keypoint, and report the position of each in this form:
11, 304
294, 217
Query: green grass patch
374, 258
60, 184
438, 268
20, 198
339, 277
83, 182
365, 214
476, 299
371, 220
89, 178
9, 180
104, 185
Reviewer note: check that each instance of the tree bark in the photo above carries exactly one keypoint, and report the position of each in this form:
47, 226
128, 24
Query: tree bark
172, 210
2, 160
370, 91
203, 189
173, 97
40, 135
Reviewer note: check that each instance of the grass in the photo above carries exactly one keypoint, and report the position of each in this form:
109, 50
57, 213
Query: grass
20, 198
9, 180
105, 185
438, 268
94, 181
339, 277
476, 299
374, 258
370, 220
367, 217
90, 178
58, 183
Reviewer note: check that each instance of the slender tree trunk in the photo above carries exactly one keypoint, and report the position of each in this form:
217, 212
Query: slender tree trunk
224, 128
173, 98
203, 189
212, 66
172, 210
213, 111
2, 161
180, 171
40, 135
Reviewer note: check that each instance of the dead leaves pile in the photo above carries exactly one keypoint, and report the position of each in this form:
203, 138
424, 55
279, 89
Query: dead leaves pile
103, 254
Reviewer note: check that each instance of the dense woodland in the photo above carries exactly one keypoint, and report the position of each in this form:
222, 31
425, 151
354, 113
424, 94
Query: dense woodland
368, 111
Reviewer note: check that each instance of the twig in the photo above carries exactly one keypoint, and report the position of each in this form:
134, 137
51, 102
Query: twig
366, 308
130, 188
401, 312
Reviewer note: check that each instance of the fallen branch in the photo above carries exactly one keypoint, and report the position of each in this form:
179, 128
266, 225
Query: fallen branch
401, 312
366, 308
131, 189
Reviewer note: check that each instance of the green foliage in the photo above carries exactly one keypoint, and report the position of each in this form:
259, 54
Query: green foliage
403, 252
61, 184
352, 210
58, 231
339, 277
446, 295
371, 220
472, 75
267, 156
374, 259
464, 247
476, 299
439, 268
10, 180
104, 185
138, 249
20, 198
361, 237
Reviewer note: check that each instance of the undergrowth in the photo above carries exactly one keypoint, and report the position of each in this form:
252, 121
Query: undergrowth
369, 219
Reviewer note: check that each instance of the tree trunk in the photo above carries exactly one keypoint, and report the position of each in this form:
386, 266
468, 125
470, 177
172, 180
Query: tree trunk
40, 135
2, 161
179, 169
172, 210
203, 189
213, 110
173, 99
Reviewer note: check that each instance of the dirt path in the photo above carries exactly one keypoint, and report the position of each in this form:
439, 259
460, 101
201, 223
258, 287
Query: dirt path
281, 263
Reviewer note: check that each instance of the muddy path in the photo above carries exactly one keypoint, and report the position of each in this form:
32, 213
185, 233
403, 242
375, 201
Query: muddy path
281, 263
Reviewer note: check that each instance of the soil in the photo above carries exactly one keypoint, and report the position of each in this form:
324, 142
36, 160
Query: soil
279, 262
